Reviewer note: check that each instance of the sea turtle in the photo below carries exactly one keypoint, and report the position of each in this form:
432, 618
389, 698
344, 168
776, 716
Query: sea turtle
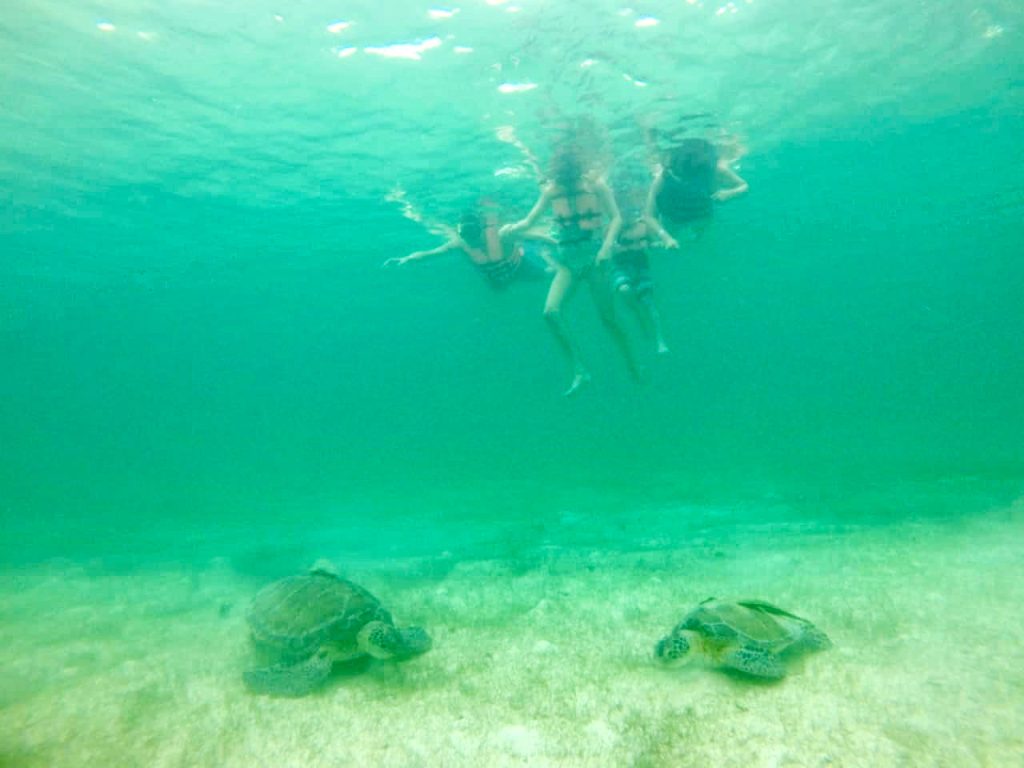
746, 635
304, 624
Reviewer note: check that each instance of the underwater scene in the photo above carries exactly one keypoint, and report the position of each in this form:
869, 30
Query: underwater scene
542, 383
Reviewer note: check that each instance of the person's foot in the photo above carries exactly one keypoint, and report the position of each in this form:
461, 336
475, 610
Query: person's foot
662, 347
579, 381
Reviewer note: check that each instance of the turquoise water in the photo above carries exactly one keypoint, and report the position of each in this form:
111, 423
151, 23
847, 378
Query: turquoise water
208, 381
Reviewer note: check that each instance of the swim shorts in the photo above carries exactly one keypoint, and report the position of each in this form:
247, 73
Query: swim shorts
633, 269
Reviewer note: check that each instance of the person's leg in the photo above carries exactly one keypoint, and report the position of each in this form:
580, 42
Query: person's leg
646, 301
642, 305
643, 293
601, 291
561, 285
624, 284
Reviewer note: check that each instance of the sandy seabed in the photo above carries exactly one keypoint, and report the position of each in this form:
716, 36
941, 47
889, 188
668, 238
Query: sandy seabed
545, 660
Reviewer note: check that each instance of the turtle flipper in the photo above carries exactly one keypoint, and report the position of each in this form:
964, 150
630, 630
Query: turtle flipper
765, 607
755, 661
290, 679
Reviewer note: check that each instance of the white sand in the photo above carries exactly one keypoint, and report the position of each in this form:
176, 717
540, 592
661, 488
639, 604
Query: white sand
547, 664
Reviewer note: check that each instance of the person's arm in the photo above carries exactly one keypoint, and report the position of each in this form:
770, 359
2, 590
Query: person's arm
607, 200
531, 217
533, 234
654, 226
735, 185
552, 265
649, 212
419, 255
652, 194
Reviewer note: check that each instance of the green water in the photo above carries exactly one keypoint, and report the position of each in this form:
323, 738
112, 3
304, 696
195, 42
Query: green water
207, 381
854, 321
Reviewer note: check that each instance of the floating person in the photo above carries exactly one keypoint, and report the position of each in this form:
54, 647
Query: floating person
306, 624
749, 636
692, 177
501, 260
580, 201
631, 273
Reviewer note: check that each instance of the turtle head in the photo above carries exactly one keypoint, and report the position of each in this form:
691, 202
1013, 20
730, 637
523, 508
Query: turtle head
325, 567
676, 647
415, 641
384, 641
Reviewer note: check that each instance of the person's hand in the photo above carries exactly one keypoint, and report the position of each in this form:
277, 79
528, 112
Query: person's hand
397, 261
670, 242
721, 195
507, 230
602, 256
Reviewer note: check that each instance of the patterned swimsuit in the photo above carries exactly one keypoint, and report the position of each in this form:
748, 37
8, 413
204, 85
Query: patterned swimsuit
578, 244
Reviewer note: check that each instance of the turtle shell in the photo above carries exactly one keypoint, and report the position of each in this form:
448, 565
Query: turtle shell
298, 615
745, 622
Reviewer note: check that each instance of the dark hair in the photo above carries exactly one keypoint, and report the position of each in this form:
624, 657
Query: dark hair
567, 168
471, 228
692, 156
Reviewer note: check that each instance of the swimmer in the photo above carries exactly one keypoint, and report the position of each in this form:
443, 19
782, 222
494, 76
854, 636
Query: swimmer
580, 201
692, 177
631, 275
500, 260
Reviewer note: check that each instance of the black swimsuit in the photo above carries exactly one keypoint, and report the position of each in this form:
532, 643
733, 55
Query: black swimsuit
688, 198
